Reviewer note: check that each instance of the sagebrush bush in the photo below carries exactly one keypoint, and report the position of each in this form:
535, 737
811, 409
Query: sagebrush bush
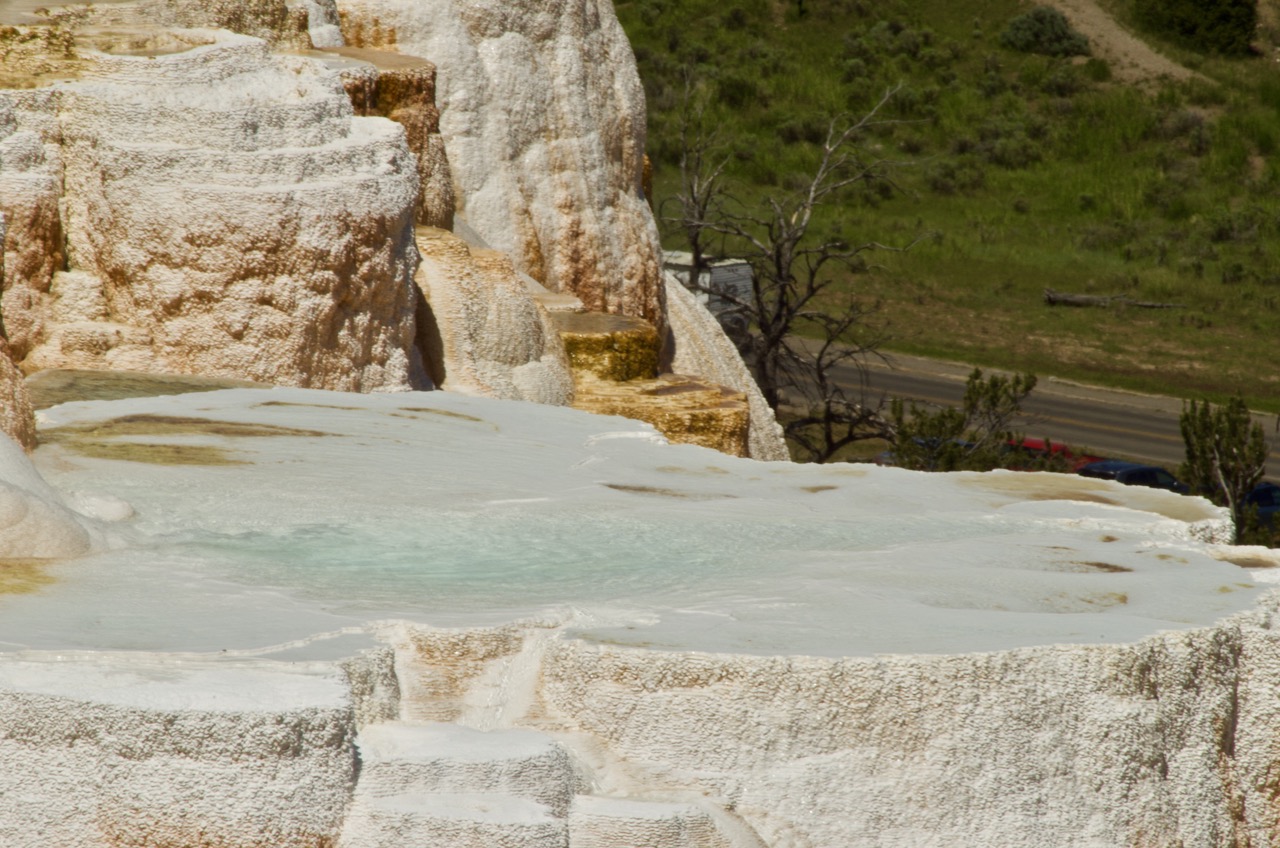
1044, 30
1210, 26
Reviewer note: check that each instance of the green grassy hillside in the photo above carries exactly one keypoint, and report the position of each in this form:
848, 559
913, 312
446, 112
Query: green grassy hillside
1022, 171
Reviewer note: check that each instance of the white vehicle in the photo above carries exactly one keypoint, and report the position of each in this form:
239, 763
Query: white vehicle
723, 285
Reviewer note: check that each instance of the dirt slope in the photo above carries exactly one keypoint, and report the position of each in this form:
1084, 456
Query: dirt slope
1130, 58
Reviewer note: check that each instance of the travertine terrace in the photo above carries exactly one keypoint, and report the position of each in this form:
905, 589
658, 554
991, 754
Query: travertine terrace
532, 626
276, 589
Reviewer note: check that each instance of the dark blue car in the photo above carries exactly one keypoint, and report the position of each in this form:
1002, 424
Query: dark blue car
1133, 474
1266, 498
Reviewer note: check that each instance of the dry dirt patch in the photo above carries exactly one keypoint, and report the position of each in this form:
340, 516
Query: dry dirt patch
1131, 59
1251, 561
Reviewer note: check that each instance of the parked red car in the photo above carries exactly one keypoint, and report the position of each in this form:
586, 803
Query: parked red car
1040, 453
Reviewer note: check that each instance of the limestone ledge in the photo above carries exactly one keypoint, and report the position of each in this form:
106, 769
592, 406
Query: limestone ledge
698, 345
609, 347
402, 88
17, 419
284, 24
126, 750
1173, 739
33, 56
615, 362
686, 410
30, 192
265, 209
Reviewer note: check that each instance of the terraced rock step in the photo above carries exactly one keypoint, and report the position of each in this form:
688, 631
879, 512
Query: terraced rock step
437, 784
611, 347
596, 822
687, 410
448, 758
614, 360
456, 821
481, 328
402, 88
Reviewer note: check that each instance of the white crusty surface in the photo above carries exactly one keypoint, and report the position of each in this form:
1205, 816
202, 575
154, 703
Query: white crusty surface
766, 653
441, 758
35, 523
1168, 741
532, 507
543, 118
597, 822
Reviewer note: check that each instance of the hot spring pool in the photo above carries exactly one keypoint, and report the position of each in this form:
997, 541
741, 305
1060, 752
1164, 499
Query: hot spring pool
263, 519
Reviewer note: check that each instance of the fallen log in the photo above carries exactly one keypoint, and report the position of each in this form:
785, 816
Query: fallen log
1057, 298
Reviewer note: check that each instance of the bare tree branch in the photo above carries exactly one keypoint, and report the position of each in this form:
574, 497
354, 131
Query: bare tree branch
798, 276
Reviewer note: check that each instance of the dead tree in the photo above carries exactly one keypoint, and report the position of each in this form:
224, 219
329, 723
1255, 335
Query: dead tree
702, 185
797, 278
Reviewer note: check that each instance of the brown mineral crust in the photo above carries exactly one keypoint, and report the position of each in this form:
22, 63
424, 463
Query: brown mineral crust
17, 420
405, 91
447, 663
611, 347
360, 30
33, 56
684, 409
33, 252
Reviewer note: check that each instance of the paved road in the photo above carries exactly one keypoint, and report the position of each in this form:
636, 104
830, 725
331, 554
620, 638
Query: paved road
1101, 421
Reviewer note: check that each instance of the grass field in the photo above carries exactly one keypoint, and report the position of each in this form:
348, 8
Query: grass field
1014, 173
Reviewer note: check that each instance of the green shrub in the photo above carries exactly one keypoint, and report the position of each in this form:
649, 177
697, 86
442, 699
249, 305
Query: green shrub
737, 91
735, 19
1209, 26
854, 70
1044, 30
1015, 151
1064, 81
1097, 70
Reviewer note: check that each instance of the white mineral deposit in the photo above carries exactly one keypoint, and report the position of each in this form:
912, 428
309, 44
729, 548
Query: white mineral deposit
260, 588
536, 626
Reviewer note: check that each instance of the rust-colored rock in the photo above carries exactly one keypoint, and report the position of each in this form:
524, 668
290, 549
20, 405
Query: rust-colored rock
403, 88
30, 189
615, 372
32, 56
17, 420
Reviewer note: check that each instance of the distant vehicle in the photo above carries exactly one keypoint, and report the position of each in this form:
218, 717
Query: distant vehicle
1040, 453
722, 287
1266, 497
1133, 474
